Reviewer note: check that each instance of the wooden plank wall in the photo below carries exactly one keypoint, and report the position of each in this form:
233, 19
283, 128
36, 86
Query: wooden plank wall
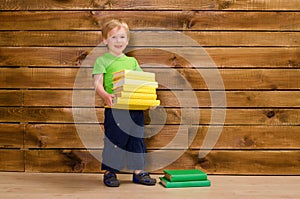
254, 44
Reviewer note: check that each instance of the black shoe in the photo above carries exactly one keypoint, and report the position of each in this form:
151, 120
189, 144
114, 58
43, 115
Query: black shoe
110, 180
143, 178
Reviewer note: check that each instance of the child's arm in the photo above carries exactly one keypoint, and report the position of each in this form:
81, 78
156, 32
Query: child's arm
98, 84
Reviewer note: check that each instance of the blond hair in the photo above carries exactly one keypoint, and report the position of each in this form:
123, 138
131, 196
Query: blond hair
108, 26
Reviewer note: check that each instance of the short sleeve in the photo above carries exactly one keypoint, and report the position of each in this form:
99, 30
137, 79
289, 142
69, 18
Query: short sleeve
137, 66
99, 67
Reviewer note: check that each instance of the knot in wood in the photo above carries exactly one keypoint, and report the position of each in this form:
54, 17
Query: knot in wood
204, 163
42, 143
270, 114
81, 57
107, 5
224, 4
78, 166
190, 24
247, 142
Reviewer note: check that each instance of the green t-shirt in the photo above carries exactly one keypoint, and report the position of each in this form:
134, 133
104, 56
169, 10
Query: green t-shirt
107, 64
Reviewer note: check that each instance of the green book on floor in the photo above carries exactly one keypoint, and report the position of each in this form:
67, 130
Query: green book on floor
185, 175
198, 183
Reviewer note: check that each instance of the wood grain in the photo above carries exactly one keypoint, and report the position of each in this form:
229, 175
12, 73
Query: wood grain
158, 38
81, 136
61, 161
11, 136
90, 136
78, 185
151, 5
12, 160
217, 162
269, 116
233, 79
170, 20
171, 57
199, 51
11, 98
248, 137
246, 99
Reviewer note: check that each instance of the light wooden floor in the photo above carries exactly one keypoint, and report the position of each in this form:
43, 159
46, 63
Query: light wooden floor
89, 186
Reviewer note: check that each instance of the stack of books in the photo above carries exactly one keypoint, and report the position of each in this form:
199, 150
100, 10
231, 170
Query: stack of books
134, 90
184, 178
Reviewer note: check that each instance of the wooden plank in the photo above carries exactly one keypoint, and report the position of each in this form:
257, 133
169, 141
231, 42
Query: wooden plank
162, 38
248, 137
61, 161
171, 115
49, 115
43, 56
282, 162
151, 5
91, 136
214, 38
11, 98
198, 57
11, 136
233, 79
221, 57
57, 135
166, 136
238, 99
50, 38
231, 137
171, 20
78, 185
246, 99
11, 160
251, 79
62, 98
259, 5
250, 162
42, 77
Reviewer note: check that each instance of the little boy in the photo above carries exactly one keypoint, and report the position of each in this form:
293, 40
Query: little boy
119, 144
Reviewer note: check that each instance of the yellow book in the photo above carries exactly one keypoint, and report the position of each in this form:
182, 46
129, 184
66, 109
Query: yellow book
135, 88
129, 107
141, 102
138, 75
122, 82
135, 95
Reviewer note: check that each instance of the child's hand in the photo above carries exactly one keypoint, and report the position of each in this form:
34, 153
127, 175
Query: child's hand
108, 99
152, 107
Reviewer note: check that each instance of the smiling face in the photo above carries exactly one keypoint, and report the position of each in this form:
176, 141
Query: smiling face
117, 41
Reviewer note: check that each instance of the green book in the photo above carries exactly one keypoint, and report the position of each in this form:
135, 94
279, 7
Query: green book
199, 183
185, 175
